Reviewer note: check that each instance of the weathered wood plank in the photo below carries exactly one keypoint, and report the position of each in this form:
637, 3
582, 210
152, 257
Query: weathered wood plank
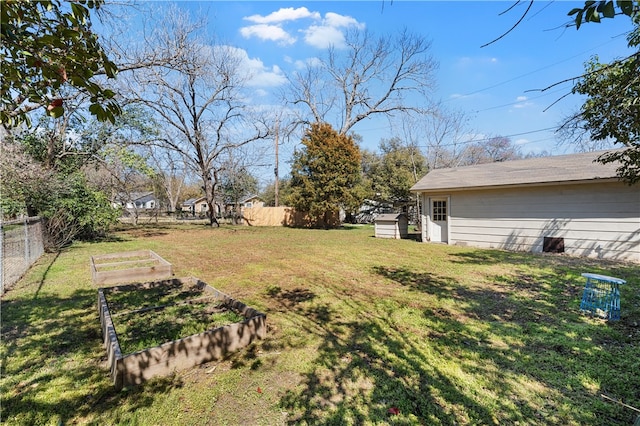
160, 270
214, 344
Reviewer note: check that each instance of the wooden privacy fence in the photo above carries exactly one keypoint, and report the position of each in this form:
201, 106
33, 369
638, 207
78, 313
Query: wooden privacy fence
283, 216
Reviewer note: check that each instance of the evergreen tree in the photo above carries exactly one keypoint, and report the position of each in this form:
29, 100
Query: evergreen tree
399, 167
326, 174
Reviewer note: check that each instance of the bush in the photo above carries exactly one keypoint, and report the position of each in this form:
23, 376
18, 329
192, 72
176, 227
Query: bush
77, 212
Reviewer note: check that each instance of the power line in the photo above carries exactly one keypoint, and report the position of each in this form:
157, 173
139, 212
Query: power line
519, 102
492, 137
530, 72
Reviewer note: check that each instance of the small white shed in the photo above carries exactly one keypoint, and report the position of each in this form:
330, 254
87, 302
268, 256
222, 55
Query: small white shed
394, 225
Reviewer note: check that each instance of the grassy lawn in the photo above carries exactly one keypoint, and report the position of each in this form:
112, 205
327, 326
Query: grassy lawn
361, 331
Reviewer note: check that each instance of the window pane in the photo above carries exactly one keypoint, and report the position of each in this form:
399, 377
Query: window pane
439, 210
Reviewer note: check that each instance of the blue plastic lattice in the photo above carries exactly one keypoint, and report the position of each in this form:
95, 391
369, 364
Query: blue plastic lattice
601, 296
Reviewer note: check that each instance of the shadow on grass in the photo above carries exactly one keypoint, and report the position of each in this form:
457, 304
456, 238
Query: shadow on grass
110, 237
520, 333
44, 275
54, 367
147, 232
365, 370
290, 298
563, 278
535, 310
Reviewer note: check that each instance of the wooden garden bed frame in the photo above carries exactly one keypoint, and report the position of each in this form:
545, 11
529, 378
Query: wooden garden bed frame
161, 269
214, 344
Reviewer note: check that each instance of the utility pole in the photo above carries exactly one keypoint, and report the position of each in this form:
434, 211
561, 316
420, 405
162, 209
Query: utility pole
275, 170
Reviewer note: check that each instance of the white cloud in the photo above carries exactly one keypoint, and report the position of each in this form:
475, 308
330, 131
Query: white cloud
267, 32
321, 36
520, 142
269, 27
283, 15
475, 61
321, 33
258, 74
309, 62
522, 102
330, 31
341, 21
265, 77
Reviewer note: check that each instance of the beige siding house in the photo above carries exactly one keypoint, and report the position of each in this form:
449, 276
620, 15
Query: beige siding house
565, 203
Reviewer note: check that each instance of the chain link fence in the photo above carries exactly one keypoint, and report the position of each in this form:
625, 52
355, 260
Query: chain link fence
21, 244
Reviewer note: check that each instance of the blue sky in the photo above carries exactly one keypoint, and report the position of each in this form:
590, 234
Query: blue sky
494, 85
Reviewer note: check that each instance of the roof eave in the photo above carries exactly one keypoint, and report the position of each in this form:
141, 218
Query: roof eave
515, 185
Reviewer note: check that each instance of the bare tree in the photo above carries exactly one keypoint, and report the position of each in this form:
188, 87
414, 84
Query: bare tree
371, 76
199, 96
443, 134
237, 182
23, 179
491, 150
574, 131
447, 139
171, 174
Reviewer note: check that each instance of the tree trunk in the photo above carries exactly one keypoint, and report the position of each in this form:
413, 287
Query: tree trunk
31, 210
325, 220
213, 221
209, 193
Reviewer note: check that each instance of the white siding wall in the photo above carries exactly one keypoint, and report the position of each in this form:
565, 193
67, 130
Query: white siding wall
596, 220
387, 229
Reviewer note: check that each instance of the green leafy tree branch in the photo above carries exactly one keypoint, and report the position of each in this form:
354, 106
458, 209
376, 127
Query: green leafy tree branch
47, 44
612, 108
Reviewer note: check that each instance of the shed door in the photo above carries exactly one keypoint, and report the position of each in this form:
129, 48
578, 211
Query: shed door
439, 213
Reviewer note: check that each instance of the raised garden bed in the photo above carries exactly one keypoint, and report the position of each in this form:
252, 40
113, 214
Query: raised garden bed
131, 266
155, 328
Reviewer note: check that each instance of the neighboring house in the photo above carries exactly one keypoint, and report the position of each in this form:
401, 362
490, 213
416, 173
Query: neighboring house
566, 203
137, 201
197, 207
251, 201
247, 202
188, 206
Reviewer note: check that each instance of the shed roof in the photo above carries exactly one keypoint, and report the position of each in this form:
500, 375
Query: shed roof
542, 170
389, 216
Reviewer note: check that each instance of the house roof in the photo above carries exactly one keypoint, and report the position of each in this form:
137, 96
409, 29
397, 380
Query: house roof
145, 197
249, 198
542, 170
389, 216
136, 196
230, 201
192, 201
